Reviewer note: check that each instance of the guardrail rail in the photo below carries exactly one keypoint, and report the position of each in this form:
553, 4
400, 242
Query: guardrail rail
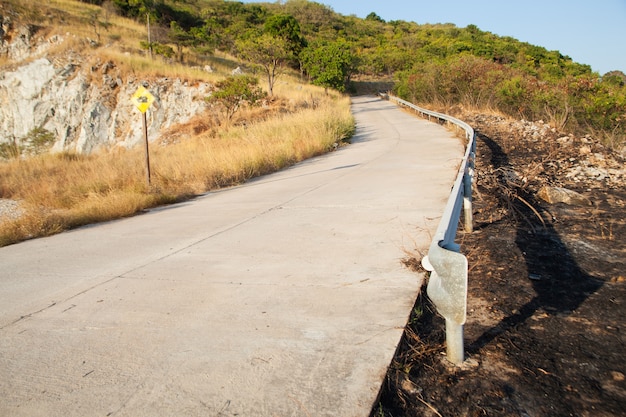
447, 286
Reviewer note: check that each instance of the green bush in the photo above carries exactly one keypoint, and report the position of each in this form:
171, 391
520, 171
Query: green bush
38, 140
582, 103
235, 91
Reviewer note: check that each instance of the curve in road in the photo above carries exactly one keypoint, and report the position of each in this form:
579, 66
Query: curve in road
285, 296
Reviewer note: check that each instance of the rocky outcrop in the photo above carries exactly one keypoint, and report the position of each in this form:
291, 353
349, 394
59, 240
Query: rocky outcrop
583, 161
85, 107
18, 43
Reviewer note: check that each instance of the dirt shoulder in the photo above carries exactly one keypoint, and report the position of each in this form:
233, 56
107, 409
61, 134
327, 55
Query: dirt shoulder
545, 329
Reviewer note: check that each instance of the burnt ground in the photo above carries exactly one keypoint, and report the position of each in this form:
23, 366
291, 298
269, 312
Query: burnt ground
546, 325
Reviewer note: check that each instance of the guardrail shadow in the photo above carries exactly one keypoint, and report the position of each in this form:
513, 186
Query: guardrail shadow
555, 294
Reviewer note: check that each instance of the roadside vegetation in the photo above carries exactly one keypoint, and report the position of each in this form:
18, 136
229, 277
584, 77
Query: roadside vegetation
62, 191
249, 133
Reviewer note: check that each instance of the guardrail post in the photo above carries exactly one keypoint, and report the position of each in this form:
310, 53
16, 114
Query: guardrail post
455, 348
468, 179
447, 289
468, 218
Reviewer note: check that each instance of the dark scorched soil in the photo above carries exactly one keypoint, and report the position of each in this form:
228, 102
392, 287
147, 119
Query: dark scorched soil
545, 332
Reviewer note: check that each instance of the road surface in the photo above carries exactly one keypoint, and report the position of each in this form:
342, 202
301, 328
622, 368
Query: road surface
285, 296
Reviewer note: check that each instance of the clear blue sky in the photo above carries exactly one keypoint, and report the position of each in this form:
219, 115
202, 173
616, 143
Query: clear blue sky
591, 32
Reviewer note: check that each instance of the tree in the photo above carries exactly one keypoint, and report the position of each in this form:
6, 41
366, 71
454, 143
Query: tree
287, 28
93, 17
135, 8
374, 17
315, 17
205, 40
234, 91
329, 64
180, 38
616, 78
268, 52
38, 140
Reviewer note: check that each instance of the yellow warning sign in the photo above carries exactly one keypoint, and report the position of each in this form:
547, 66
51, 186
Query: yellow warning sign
142, 99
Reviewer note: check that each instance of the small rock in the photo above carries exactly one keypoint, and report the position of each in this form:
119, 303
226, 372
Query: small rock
409, 386
563, 139
617, 376
10, 210
553, 195
597, 174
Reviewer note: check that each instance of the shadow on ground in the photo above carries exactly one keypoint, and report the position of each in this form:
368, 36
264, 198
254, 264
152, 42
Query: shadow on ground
544, 333
557, 290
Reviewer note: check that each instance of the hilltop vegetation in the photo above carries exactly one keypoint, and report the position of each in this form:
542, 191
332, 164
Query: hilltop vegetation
439, 65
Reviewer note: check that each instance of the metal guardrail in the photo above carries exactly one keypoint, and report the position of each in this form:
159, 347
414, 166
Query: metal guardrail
447, 286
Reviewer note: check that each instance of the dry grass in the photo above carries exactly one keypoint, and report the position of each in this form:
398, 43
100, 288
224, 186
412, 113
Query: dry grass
251, 149
62, 191
140, 65
102, 34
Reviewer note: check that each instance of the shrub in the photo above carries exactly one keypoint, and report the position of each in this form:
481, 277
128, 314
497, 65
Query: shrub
235, 91
38, 140
10, 150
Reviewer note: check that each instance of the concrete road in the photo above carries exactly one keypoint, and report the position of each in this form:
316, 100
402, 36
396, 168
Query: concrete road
285, 296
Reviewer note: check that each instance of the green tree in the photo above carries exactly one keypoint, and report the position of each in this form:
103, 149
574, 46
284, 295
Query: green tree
181, 38
515, 95
135, 8
315, 18
287, 28
235, 91
205, 38
615, 78
329, 64
373, 16
38, 140
267, 52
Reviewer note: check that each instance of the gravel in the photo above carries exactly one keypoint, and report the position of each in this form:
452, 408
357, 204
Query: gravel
9, 210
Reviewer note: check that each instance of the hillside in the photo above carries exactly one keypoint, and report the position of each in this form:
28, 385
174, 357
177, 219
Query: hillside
69, 130
68, 85
435, 65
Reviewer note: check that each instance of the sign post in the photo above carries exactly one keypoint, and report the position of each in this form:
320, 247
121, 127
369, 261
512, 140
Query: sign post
142, 99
